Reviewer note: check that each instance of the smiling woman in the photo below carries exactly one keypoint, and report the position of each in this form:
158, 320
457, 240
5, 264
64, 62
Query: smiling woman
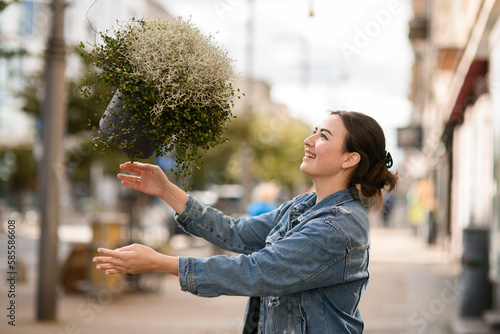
304, 265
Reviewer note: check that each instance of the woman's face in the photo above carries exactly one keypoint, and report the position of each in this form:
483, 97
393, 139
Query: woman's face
324, 149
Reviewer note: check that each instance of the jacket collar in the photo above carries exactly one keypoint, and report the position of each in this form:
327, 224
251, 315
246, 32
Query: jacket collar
338, 198
334, 199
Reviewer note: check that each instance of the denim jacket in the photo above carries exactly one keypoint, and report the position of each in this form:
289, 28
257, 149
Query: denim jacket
307, 261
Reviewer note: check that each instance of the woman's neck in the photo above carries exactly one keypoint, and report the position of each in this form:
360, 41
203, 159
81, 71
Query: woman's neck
324, 189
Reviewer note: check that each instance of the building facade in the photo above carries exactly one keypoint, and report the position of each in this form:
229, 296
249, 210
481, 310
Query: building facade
456, 98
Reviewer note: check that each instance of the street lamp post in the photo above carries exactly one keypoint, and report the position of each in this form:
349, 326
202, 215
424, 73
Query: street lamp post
54, 120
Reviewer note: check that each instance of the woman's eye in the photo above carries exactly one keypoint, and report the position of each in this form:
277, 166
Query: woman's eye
322, 134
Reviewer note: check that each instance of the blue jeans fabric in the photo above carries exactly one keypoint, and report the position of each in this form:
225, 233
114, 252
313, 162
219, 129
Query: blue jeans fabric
307, 261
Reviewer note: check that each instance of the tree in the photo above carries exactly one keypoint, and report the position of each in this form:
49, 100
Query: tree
4, 4
18, 169
276, 145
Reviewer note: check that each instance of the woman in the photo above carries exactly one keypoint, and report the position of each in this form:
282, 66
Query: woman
305, 264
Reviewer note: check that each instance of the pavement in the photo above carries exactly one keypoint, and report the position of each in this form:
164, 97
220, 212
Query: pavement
413, 289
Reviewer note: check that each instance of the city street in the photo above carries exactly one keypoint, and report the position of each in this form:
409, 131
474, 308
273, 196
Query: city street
396, 98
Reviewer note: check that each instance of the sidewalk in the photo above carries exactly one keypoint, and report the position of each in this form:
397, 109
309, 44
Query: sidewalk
413, 286
412, 289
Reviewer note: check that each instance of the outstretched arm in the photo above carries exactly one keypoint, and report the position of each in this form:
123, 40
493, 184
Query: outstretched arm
134, 259
151, 180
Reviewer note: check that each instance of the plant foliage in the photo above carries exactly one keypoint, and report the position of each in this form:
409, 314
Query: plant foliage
175, 83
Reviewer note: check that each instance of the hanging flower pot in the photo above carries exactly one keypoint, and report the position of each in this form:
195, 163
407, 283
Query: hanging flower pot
172, 88
115, 124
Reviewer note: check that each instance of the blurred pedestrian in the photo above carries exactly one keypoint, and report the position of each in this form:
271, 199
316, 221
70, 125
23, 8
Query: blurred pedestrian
387, 209
264, 199
304, 264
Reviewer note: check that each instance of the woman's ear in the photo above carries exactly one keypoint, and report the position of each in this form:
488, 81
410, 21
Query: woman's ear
352, 159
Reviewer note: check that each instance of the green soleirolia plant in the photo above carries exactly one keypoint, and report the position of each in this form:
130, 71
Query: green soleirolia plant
171, 87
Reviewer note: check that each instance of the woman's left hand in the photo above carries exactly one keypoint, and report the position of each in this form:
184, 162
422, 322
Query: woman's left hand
134, 259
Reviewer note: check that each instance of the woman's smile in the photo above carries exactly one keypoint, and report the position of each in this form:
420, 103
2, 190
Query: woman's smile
309, 154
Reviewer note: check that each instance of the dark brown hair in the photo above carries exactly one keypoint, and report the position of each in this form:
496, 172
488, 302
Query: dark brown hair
371, 175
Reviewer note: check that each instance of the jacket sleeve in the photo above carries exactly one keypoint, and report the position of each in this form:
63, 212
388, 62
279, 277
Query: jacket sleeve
315, 255
236, 235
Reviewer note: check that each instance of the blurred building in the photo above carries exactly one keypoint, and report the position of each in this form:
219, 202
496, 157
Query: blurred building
454, 137
21, 28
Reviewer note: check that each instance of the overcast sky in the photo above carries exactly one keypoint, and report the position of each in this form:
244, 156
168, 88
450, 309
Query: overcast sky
352, 55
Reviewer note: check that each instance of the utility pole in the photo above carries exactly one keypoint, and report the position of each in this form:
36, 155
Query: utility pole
247, 151
53, 127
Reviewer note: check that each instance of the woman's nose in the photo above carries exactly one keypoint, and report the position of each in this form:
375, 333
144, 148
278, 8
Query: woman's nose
308, 141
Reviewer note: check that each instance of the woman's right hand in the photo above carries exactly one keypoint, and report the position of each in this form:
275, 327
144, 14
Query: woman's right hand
151, 180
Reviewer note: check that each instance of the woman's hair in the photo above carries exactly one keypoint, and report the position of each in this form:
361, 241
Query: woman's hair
371, 175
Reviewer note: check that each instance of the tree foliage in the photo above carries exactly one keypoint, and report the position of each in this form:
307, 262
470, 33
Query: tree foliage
273, 143
5, 4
